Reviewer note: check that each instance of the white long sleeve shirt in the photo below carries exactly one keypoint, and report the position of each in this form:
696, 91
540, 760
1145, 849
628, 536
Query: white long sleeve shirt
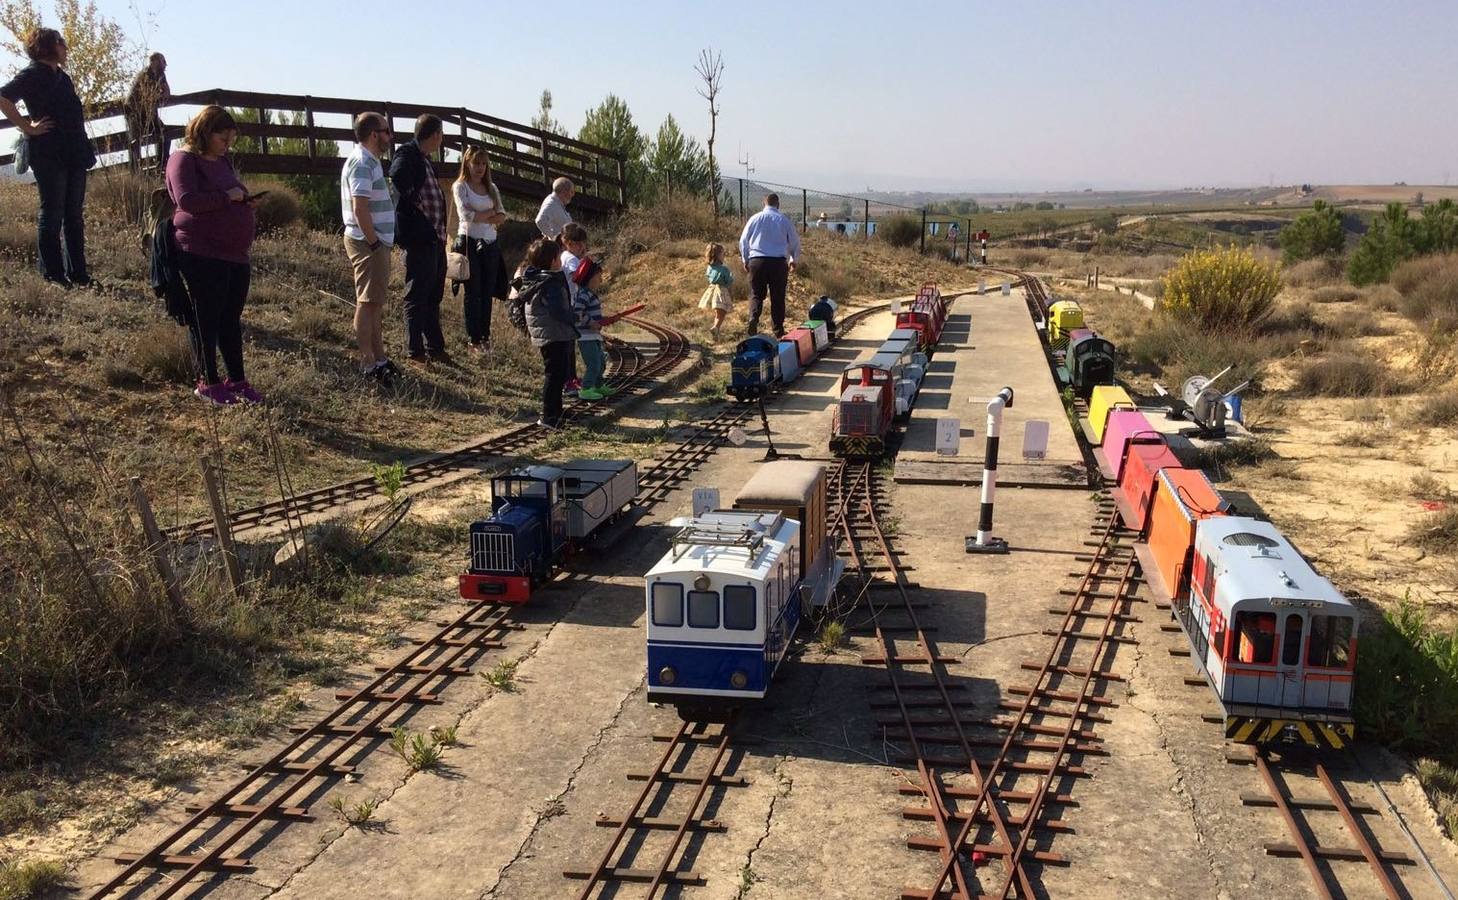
472, 209
770, 233
553, 216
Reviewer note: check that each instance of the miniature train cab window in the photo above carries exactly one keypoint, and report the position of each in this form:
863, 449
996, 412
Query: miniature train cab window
703, 609
517, 487
1256, 633
668, 604
1207, 582
1331, 642
1291, 645
739, 607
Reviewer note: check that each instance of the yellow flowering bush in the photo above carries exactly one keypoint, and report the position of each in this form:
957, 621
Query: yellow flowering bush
1227, 288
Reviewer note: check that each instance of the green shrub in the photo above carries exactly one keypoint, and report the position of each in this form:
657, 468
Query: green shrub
26, 880
279, 208
1317, 232
1392, 238
1227, 288
900, 231
1407, 683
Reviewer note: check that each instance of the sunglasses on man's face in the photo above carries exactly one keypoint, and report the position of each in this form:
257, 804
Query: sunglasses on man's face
388, 131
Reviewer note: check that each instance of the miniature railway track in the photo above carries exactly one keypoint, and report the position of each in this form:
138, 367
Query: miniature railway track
1282, 780
990, 786
279, 790
667, 784
630, 372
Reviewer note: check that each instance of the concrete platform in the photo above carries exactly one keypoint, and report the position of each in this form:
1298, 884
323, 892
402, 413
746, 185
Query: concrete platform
990, 342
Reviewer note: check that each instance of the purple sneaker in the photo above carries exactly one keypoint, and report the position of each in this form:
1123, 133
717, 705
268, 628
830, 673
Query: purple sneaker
243, 391
216, 394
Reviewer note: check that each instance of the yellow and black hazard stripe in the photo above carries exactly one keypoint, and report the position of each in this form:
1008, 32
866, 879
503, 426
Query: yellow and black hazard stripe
1254, 730
857, 446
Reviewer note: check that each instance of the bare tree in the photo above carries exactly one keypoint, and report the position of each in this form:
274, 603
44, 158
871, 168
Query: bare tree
710, 69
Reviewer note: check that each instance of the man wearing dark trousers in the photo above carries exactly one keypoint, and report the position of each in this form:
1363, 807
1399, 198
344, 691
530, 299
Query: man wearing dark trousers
420, 232
769, 246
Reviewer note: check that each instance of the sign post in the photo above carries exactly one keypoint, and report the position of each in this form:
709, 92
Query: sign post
983, 541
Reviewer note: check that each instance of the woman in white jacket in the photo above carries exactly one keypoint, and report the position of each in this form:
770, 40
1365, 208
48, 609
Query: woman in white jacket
479, 209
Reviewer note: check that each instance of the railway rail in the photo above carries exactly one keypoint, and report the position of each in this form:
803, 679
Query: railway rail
665, 786
631, 373
991, 787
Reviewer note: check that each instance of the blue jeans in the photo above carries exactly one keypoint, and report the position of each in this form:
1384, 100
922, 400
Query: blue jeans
593, 361
62, 208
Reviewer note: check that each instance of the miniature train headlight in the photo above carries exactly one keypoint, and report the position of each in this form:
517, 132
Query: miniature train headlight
667, 675
739, 680
701, 583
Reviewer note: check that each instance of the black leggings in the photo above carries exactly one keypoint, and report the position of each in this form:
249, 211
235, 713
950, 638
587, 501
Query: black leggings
219, 289
557, 360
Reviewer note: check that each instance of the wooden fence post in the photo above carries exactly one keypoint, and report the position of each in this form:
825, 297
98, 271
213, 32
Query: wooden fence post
221, 527
157, 546
309, 124
804, 210
262, 126
546, 179
622, 184
866, 232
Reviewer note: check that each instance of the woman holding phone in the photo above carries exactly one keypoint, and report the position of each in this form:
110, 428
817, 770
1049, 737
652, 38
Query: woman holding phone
214, 225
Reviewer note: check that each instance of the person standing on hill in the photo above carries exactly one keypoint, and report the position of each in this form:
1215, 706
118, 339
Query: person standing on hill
769, 246
553, 216
479, 211
149, 91
420, 228
214, 228
549, 322
369, 233
60, 153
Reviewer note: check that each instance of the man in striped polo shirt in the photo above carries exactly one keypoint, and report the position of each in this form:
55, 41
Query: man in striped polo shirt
369, 233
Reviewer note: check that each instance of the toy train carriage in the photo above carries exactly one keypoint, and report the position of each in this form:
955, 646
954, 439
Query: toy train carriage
1276, 641
863, 415
819, 334
755, 368
1090, 361
926, 315
537, 513
1103, 399
1063, 318
1122, 428
790, 368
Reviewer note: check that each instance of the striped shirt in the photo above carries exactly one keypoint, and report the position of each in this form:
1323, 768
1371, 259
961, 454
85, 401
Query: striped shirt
363, 176
586, 309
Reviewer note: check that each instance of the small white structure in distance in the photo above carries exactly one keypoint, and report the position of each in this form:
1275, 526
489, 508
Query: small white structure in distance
1007, 288
1035, 439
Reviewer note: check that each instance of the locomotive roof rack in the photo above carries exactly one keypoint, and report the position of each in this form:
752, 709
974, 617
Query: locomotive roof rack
748, 534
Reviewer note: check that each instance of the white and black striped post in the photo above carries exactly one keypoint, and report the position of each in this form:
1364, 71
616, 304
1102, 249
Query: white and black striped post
984, 542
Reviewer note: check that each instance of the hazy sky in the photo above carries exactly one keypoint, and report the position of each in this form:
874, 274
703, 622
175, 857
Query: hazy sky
898, 95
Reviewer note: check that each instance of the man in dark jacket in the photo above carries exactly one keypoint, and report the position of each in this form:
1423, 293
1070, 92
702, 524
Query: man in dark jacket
543, 291
420, 228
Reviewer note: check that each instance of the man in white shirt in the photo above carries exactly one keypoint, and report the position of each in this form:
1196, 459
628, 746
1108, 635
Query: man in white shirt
769, 246
553, 216
369, 232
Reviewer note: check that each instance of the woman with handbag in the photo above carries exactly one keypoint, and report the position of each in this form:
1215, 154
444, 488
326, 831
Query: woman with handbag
479, 209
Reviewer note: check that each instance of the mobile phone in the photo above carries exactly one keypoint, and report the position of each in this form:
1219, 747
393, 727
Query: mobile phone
255, 196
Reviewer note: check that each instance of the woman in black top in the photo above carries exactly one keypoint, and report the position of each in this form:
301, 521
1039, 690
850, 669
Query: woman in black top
60, 153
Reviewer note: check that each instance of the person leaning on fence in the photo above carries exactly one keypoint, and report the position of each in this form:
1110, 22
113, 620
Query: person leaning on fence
60, 153
768, 246
369, 233
480, 211
149, 91
548, 306
213, 227
553, 216
420, 230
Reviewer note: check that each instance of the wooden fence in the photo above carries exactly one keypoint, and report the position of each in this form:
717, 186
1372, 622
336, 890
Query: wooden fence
524, 160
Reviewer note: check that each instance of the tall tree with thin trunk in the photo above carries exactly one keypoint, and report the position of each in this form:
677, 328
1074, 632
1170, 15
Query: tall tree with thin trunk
710, 69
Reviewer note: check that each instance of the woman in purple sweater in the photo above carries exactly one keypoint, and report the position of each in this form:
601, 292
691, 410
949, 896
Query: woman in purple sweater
214, 228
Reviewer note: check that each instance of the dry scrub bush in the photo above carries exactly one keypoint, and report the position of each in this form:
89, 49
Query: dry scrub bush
1227, 288
315, 323
123, 194
1347, 375
675, 219
900, 230
278, 209
1176, 351
1322, 270
1429, 289
1028, 259
161, 352
1335, 293
1437, 410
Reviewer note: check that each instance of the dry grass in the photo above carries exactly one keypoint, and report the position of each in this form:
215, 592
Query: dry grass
1438, 410
1348, 374
1313, 272
1429, 289
1336, 293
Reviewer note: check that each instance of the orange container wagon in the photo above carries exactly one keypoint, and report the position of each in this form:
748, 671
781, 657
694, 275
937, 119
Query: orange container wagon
1182, 497
1142, 463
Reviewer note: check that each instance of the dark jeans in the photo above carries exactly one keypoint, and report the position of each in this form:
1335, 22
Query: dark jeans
62, 208
768, 275
424, 289
487, 284
219, 289
557, 359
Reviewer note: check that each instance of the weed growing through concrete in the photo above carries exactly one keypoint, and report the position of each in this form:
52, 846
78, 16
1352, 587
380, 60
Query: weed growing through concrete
354, 814
444, 735
24, 880
747, 878
502, 676
418, 749
832, 637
